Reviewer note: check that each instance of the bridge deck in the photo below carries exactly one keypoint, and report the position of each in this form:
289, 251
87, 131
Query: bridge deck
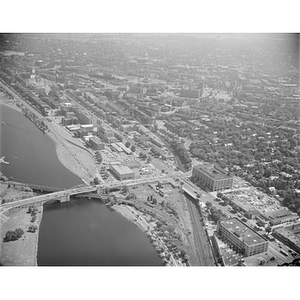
77, 190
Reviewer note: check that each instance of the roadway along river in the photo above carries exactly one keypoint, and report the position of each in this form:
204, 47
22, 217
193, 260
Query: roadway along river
81, 232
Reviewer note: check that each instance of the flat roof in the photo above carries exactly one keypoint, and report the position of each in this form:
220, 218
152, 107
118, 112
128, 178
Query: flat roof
96, 140
122, 170
294, 228
215, 172
288, 234
279, 214
242, 231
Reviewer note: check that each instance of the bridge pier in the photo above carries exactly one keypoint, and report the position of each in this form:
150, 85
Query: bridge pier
65, 198
99, 190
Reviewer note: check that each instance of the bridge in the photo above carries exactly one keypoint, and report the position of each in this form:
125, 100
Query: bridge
64, 195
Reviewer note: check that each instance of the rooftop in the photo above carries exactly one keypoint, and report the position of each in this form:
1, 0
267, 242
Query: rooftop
96, 140
122, 170
215, 172
289, 235
279, 214
242, 231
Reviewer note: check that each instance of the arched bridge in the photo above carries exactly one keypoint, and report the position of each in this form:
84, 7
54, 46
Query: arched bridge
64, 195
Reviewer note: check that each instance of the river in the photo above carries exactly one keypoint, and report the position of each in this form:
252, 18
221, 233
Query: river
31, 154
81, 232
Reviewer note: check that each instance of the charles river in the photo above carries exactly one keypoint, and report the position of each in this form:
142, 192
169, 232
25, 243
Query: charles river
79, 233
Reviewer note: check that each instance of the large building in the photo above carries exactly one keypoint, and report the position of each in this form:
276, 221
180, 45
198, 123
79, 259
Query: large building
96, 143
84, 117
191, 93
281, 216
214, 178
122, 172
241, 237
289, 235
106, 134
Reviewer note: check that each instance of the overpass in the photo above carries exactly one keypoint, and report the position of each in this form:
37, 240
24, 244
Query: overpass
64, 195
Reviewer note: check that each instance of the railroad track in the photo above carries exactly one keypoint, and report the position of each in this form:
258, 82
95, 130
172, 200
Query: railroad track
203, 251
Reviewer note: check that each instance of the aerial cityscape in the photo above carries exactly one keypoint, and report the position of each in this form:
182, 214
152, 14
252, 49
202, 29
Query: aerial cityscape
149, 149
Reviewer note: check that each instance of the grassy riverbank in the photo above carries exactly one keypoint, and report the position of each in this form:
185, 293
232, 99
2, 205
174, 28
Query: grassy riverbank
22, 252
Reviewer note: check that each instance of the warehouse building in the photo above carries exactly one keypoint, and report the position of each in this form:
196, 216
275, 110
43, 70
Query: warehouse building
96, 143
213, 178
289, 235
241, 237
122, 172
281, 216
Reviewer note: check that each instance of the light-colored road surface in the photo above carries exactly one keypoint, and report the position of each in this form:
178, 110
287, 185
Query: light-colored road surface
81, 190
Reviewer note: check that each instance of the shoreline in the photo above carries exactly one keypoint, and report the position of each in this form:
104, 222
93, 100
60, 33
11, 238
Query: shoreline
37, 235
10, 103
62, 150
22, 252
30, 240
161, 249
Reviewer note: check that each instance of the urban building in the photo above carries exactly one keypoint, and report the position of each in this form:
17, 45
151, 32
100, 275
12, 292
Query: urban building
122, 172
124, 148
105, 133
84, 117
70, 120
281, 216
213, 178
96, 143
289, 235
133, 164
86, 127
115, 147
241, 237
191, 93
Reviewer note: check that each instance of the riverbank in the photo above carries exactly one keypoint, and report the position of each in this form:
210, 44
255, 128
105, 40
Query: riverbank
78, 161
149, 228
10, 103
22, 252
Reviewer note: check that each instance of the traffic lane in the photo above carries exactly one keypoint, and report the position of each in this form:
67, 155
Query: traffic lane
282, 258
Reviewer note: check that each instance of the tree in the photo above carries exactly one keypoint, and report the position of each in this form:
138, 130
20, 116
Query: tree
13, 235
208, 204
220, 195
159, 224
127, 144
19, 232
96, 181
133, 148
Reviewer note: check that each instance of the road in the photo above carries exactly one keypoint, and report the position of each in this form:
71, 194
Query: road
274, 246
40, 198
206, 197
81, 190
